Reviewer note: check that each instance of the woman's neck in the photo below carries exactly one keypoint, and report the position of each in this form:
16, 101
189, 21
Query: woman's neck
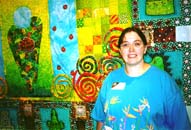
136, 70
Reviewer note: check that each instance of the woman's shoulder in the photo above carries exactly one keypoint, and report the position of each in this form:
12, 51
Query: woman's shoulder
159, 72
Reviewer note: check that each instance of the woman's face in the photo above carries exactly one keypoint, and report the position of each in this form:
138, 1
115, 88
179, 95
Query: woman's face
132, 49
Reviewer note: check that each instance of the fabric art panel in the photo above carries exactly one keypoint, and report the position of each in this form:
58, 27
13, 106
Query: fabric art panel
183, 33
162, 9
8, 118
10, 115
51, 118
64, 44
26, 53
166, 34
63, 115
94, 19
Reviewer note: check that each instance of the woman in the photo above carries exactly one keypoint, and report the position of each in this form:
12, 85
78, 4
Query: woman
139, 95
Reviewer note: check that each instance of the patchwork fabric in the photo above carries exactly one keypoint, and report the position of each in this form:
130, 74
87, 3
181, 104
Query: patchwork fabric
94, 19
164, 34
161, 7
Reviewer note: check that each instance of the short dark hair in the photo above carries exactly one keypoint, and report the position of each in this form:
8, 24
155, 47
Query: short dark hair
132, 29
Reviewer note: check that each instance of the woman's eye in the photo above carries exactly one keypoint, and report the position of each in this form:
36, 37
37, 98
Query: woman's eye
124, 45
137, 44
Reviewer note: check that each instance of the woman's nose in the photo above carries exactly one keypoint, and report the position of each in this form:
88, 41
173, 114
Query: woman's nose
131, 47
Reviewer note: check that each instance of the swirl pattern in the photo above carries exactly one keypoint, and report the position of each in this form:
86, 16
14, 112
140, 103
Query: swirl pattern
107, 64
87, 64
111, 41
62, 86
86, 87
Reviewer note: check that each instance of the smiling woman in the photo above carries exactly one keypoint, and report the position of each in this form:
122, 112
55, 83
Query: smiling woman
132, 47
129, 99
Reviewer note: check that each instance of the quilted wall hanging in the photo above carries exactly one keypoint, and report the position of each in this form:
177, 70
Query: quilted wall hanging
54, 55
44, 53
26, 48
65, 49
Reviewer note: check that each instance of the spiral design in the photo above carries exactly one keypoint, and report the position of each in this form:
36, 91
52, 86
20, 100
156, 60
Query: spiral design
111, 41
87, 64
86, 87
107, 64
62, 86
3, 88
112, 46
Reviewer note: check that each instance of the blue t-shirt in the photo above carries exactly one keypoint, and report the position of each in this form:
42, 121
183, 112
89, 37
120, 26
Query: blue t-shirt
150, 101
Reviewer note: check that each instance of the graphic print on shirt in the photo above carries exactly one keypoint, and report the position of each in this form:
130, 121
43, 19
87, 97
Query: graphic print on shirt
133, 114
118, 86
